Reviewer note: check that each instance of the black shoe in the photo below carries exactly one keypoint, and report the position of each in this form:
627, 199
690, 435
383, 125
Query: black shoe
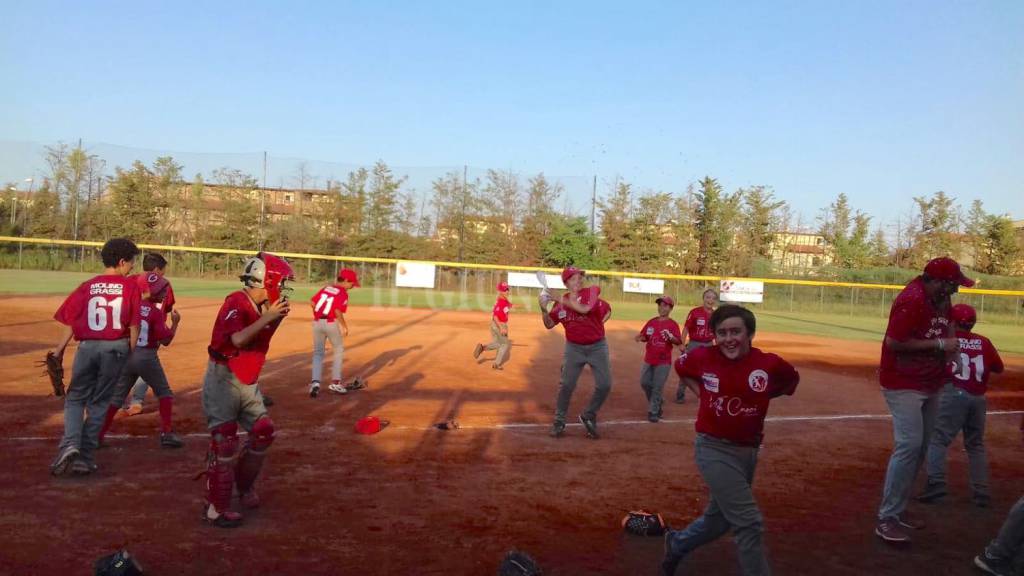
590, 425
170, 440
652, 417
314, 389
671, 560
65, 459
990, 565
267, 401
557, 430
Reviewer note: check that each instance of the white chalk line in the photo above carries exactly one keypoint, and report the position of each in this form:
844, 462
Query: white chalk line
532, 425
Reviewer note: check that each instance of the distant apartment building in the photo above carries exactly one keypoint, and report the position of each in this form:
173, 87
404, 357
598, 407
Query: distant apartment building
799, 252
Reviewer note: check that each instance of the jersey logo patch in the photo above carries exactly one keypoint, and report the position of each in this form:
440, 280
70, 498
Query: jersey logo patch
231, 314
710, 382
561, 314
758, 380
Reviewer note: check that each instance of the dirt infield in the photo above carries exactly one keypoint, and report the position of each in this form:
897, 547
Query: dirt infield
416, 500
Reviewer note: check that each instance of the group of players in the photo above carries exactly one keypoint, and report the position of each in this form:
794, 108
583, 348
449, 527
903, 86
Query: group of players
933, 368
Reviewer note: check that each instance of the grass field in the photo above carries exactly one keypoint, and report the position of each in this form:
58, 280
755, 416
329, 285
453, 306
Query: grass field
1007, 338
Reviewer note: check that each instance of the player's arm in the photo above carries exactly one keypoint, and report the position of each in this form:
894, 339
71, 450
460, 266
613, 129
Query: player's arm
573, 303
65, 337
503, 328
995, 362
339, 317
175, 319
671, 337
642, 336
784, 379
549, 322
692, 384
273, 313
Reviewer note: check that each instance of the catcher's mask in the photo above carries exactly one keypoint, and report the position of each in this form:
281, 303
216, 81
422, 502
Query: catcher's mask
269, 272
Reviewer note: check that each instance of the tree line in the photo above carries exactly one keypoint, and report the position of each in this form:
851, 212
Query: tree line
501, 218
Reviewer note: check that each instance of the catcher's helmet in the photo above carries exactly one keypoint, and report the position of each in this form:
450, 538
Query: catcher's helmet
963, 314
269, 272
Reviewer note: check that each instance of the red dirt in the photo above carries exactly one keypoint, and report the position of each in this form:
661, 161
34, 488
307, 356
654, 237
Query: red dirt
415, 500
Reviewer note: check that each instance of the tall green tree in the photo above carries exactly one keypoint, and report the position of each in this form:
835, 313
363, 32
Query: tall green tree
716, 213
539, 218
936, 233
571, 242
133, 204
617, 233
761, 218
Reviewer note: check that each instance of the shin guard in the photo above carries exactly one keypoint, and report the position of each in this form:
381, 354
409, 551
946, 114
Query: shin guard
250, 462
220, 471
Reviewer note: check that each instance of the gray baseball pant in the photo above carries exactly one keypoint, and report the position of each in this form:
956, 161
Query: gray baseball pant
960, 410
142, 363
94, 374
577, 356
499, 343
652, 380
1010, 540
913, 419
323, 331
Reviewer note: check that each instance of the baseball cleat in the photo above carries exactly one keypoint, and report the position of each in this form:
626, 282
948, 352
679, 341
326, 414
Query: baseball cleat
478, 350
990, 565
557, 430
890, 530
652, 417
225, 519
314, 389
65, 458
170, 440
591, 426
337, 388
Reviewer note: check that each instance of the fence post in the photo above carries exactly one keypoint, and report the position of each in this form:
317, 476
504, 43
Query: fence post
20, 246
791, 297
853, 294
309, 270
821, 305
982, 304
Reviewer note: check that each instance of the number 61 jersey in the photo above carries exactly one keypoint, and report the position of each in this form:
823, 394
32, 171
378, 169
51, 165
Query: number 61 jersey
103, 308
978, 360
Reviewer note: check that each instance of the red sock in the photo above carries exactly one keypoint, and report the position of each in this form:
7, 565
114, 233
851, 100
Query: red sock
108, 420
165, 413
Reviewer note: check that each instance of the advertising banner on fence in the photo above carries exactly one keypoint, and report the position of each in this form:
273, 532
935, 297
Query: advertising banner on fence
414, 275
529, 280
643, 286
741, 291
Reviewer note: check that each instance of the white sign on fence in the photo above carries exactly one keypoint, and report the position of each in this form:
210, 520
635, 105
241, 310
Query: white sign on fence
414, 275
643, 285
741, 291
529, 280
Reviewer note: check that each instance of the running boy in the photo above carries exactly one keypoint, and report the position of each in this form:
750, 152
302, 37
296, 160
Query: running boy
329, 307
152, 263
499, 329
697, 331
661, 334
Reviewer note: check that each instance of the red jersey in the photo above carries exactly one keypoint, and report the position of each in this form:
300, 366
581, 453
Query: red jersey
152, 325
501, 309
103, 308
583, 328
698, 325
659, 350
237, 312
327, 301
143, 281
914, 317
734, 394
979, 359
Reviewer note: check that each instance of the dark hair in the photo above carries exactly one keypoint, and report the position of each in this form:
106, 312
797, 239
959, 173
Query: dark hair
151, 261
117, 249
727, 311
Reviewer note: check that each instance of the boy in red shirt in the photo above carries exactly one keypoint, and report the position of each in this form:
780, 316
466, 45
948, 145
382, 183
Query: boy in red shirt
499, 329
697, 331
152, 263
238, 349
962, 407
583, 314
734, 383
145, 363
661, 334
329, 307
103, 315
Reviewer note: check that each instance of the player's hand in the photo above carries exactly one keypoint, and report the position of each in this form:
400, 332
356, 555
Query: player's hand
344, 330
544, 297
639, 338
59, 354
950, 344
175, 317
504, 332
277, 310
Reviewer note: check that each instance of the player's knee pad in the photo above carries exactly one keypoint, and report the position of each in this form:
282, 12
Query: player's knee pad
224, 440
262, 434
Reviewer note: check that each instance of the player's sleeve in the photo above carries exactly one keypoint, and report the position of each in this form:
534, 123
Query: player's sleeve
71, 308
673, 327
903, 320
643, 331
553, 314
784, 378
688, 365
230, 318
605, 309
169, 299
993, 362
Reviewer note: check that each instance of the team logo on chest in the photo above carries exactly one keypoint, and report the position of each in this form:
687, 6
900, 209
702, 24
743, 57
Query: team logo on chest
710, 382
758, 380
562, 314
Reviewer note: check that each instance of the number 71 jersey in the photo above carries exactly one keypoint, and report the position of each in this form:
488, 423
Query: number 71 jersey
103, 308
978, 360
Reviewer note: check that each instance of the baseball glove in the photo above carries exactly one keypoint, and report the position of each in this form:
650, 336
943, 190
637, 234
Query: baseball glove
120, 563
55, 370
641, 523
518, 563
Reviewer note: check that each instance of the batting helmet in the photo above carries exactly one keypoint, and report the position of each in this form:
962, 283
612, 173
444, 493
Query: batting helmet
963, 314
269, 272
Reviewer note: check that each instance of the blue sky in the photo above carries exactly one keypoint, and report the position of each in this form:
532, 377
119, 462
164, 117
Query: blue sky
881, 100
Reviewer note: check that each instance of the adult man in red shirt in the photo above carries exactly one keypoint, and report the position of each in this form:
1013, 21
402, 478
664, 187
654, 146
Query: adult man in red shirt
697, 331
583, 314
734, 383
919, 342
329, 307
499, 329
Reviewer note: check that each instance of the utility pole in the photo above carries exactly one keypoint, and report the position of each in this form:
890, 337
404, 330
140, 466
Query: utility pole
593, 204
462, 216
263, 196
77, 191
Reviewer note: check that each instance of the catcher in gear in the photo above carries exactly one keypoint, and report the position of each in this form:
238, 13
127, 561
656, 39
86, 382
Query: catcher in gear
238, 349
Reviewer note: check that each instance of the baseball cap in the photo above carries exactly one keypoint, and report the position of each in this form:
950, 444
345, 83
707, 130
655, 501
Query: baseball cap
502, 286
963, 314
667, 300
570, 272
349, 275
370, 425
155, 283
946, 269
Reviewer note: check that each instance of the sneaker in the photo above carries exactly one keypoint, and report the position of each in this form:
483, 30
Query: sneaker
990, 565
497, 366
890, 530
652, 417
337, 388
478, 350
82, 468
672, 559
267, 401
557, 429
314, 389
225, 519
170, 440
982, 500
134, 409
64, 460
250, 499
591, 426
932, 493
912, 522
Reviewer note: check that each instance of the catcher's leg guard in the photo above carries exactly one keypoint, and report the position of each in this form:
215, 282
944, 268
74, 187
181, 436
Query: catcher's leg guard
220, 475
251, 460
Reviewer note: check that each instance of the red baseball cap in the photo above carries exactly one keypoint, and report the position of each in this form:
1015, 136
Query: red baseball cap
370, 425
946, 269
502, 286
348, 274
963, 314
156, 283
570, 272
667, 300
